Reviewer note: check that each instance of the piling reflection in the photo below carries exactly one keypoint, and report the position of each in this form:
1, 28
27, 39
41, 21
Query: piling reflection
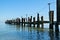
35, 33
57, 35
38, 35
18, 27
54, 35
51, 34
30, 37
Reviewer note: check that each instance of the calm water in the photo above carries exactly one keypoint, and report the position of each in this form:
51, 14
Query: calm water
17, 32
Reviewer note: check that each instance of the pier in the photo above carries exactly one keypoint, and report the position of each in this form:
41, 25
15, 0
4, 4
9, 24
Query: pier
32, 21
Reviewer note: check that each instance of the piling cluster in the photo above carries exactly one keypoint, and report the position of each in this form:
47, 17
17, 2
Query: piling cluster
32, 20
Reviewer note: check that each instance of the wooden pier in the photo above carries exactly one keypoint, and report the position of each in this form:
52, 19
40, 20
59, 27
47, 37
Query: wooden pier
32, 20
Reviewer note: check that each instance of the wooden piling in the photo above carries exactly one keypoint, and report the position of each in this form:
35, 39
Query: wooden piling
51, 19
24, 21
34, 21
28, 19
42, 22
31, 18
17, 21
38, 25
56, 27
30, 22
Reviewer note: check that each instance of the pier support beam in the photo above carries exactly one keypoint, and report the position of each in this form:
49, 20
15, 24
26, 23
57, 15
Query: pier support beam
30, 21
34, 21
42, 22
51, 26
56, 27
22, 21
31, 18
51, 19
38, 25
17, 21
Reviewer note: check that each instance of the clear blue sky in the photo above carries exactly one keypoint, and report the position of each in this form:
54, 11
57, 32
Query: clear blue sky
16, 8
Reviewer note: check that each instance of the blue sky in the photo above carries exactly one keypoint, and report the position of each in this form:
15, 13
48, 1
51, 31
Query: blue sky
19, 8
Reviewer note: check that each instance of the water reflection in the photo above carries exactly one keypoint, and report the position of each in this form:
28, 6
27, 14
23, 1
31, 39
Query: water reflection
28, 33
30, 37
38, 35
51, 34
56, 35
34, 33
18, 27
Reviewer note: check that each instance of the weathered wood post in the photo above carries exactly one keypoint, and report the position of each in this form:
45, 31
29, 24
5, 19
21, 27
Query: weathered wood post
51, 19
38, 20
31, 18
24, 21
20, 20
17, 21
58, 15
34, 21
30, 21
42, 22
56, 27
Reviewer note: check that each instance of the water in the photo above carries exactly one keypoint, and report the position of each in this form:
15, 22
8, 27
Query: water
17, 32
